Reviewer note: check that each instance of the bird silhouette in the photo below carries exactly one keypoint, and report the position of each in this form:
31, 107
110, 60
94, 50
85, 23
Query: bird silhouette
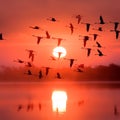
99, 45
59, 40
47, 35
38, 38
115, 25
88, 51
85, 39
40, 74
19, 61
58, 75
78, 17
99, 53
19, 107
101, 21
52, 19
71, 28
47, 70
116, 32
35, 27
98, 29
28, 64
1, 36
53, 58
71, 61
94, 36
28, 72
31, 54
87, 26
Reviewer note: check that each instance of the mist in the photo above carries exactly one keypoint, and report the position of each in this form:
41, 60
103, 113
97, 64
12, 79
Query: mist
98, 73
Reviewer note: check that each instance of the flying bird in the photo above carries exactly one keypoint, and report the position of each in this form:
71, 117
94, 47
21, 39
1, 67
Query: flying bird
1, 36
101, 21
94, 36
58, 75
28, 64
35, 27
52, 58
19, 61
98, 29
28, 72
99, 53
47, 35
88, 51
78, 17
52, 19
85, 39
99, 45
71, 28
71, 61
38, 38
115, 25
40, 74
31, 54
87, 26
59, 40
116, 32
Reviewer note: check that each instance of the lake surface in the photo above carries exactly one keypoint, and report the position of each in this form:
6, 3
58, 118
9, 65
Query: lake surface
85, 101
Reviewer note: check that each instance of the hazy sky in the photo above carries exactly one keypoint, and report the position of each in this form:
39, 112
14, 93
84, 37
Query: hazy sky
17, 15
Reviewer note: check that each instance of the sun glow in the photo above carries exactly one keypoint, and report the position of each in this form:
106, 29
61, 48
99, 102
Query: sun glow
59, 99
59, 52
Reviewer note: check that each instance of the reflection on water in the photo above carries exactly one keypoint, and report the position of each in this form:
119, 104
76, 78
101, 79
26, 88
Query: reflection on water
41, 101
59, 100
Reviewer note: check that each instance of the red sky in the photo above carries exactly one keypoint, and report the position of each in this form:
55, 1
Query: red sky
18, 15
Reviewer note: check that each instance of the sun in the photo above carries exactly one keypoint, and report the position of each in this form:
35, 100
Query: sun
59, 52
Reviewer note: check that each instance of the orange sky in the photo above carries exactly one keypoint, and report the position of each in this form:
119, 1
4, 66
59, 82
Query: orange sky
17, 16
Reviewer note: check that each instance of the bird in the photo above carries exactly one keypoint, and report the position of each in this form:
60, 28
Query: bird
78, 17
38, 38
115, 25
31, 54
99, 53
52, 19
1, 36
47, 70
40, 74
59, 54
58, 75
71, 28
19, 107
85, 39
47, 35
29, 106
87, 26
53, 58
35, 27
88, 51
101, 20
19, 61
79, 68
94, 36
116, 32
28, 72
71, 61
98, 29
115, 110
99, 45
59, 40
28, 64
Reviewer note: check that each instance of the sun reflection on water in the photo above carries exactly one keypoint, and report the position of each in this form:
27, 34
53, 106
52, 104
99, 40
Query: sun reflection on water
59, 100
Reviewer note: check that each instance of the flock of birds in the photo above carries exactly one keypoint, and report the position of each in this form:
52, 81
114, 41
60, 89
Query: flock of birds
85, 38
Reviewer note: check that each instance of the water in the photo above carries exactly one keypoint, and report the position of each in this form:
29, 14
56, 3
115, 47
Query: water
85, 101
